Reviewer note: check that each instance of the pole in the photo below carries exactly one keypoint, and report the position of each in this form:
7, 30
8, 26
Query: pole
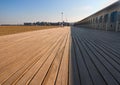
62, 18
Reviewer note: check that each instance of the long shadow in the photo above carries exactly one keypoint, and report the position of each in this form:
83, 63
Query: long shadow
95, 57
73, 69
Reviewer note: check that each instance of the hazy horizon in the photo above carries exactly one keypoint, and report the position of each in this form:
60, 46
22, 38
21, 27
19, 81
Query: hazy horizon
20, 11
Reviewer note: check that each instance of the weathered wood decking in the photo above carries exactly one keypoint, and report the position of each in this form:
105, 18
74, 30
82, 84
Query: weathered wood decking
35, 58
61, 56
95, 57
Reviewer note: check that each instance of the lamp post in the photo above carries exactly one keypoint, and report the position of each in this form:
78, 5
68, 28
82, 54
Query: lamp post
62, 18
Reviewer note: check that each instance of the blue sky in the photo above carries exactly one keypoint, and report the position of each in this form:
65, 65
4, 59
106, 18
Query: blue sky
20, 11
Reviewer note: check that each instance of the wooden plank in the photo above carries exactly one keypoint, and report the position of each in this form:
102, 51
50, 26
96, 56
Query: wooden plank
100, 53
62, 78
28, 56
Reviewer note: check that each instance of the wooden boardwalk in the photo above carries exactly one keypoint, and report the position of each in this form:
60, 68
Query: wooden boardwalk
60, 56
35, 58
95, 57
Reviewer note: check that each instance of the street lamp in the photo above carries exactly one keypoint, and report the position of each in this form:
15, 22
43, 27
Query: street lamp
62, 18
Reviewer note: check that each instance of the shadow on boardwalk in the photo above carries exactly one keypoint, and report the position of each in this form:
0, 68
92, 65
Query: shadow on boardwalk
95, 57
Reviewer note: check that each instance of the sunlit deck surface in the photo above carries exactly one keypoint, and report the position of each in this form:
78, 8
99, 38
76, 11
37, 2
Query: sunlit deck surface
61, 56
35, 58
95, 57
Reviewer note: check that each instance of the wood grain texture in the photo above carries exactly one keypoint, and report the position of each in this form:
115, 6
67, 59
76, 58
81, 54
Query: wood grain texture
95, 57
35, 58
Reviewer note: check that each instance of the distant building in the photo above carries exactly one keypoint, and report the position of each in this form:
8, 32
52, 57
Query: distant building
28, 24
